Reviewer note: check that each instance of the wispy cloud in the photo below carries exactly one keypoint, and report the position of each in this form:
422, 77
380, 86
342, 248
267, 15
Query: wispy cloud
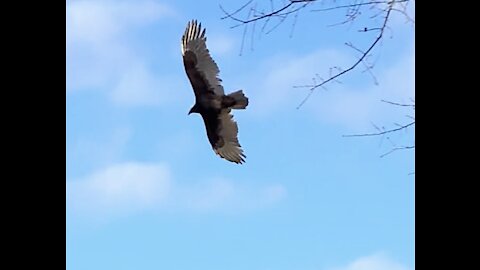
276, 77
100, 55
120, 189
130, 187
377, 261
352, 106
355, 108
95, 21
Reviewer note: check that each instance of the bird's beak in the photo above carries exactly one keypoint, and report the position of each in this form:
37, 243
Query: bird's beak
192, 110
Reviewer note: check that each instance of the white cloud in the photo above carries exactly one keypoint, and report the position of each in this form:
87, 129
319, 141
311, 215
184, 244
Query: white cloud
374, 262
100, 55
95, 21
120, 188
130, 187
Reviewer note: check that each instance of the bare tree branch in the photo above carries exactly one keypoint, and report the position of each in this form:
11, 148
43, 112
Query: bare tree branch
382, 132
231, 15
362, 57
398, 104
262, 15
356, 5
376, 12
398, 148
353, 9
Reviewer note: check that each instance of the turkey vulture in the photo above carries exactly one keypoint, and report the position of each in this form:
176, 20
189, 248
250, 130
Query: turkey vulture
210, 99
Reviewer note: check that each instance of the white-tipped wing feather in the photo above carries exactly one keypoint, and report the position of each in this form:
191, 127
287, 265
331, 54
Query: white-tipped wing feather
194, 40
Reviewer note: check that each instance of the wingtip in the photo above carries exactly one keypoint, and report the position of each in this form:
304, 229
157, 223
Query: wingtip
194, 30
241, 159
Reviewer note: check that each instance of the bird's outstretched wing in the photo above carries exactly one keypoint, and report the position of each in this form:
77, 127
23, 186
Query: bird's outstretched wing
228, 146
199, 65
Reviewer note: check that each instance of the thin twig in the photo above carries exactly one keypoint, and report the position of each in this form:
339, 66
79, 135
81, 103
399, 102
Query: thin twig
398, 104
398, 148
273, 13
383, 132
355, 64
230, 15
356, 5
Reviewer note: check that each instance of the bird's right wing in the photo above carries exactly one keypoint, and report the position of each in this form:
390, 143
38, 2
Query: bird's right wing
227, 132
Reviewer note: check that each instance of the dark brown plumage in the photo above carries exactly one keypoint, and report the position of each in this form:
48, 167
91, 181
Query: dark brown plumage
210, 99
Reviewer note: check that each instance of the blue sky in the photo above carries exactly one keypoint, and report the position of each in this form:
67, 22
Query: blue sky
146, 191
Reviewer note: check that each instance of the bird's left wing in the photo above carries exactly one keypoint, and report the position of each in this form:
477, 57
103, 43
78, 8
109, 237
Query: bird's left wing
194, 49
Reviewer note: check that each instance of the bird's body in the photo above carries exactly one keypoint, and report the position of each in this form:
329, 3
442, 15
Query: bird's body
210, 100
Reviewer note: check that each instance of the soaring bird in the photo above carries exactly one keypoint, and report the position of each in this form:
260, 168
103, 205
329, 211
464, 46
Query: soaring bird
210, 99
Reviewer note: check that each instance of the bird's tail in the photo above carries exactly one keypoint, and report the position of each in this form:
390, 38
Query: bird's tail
241, 101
